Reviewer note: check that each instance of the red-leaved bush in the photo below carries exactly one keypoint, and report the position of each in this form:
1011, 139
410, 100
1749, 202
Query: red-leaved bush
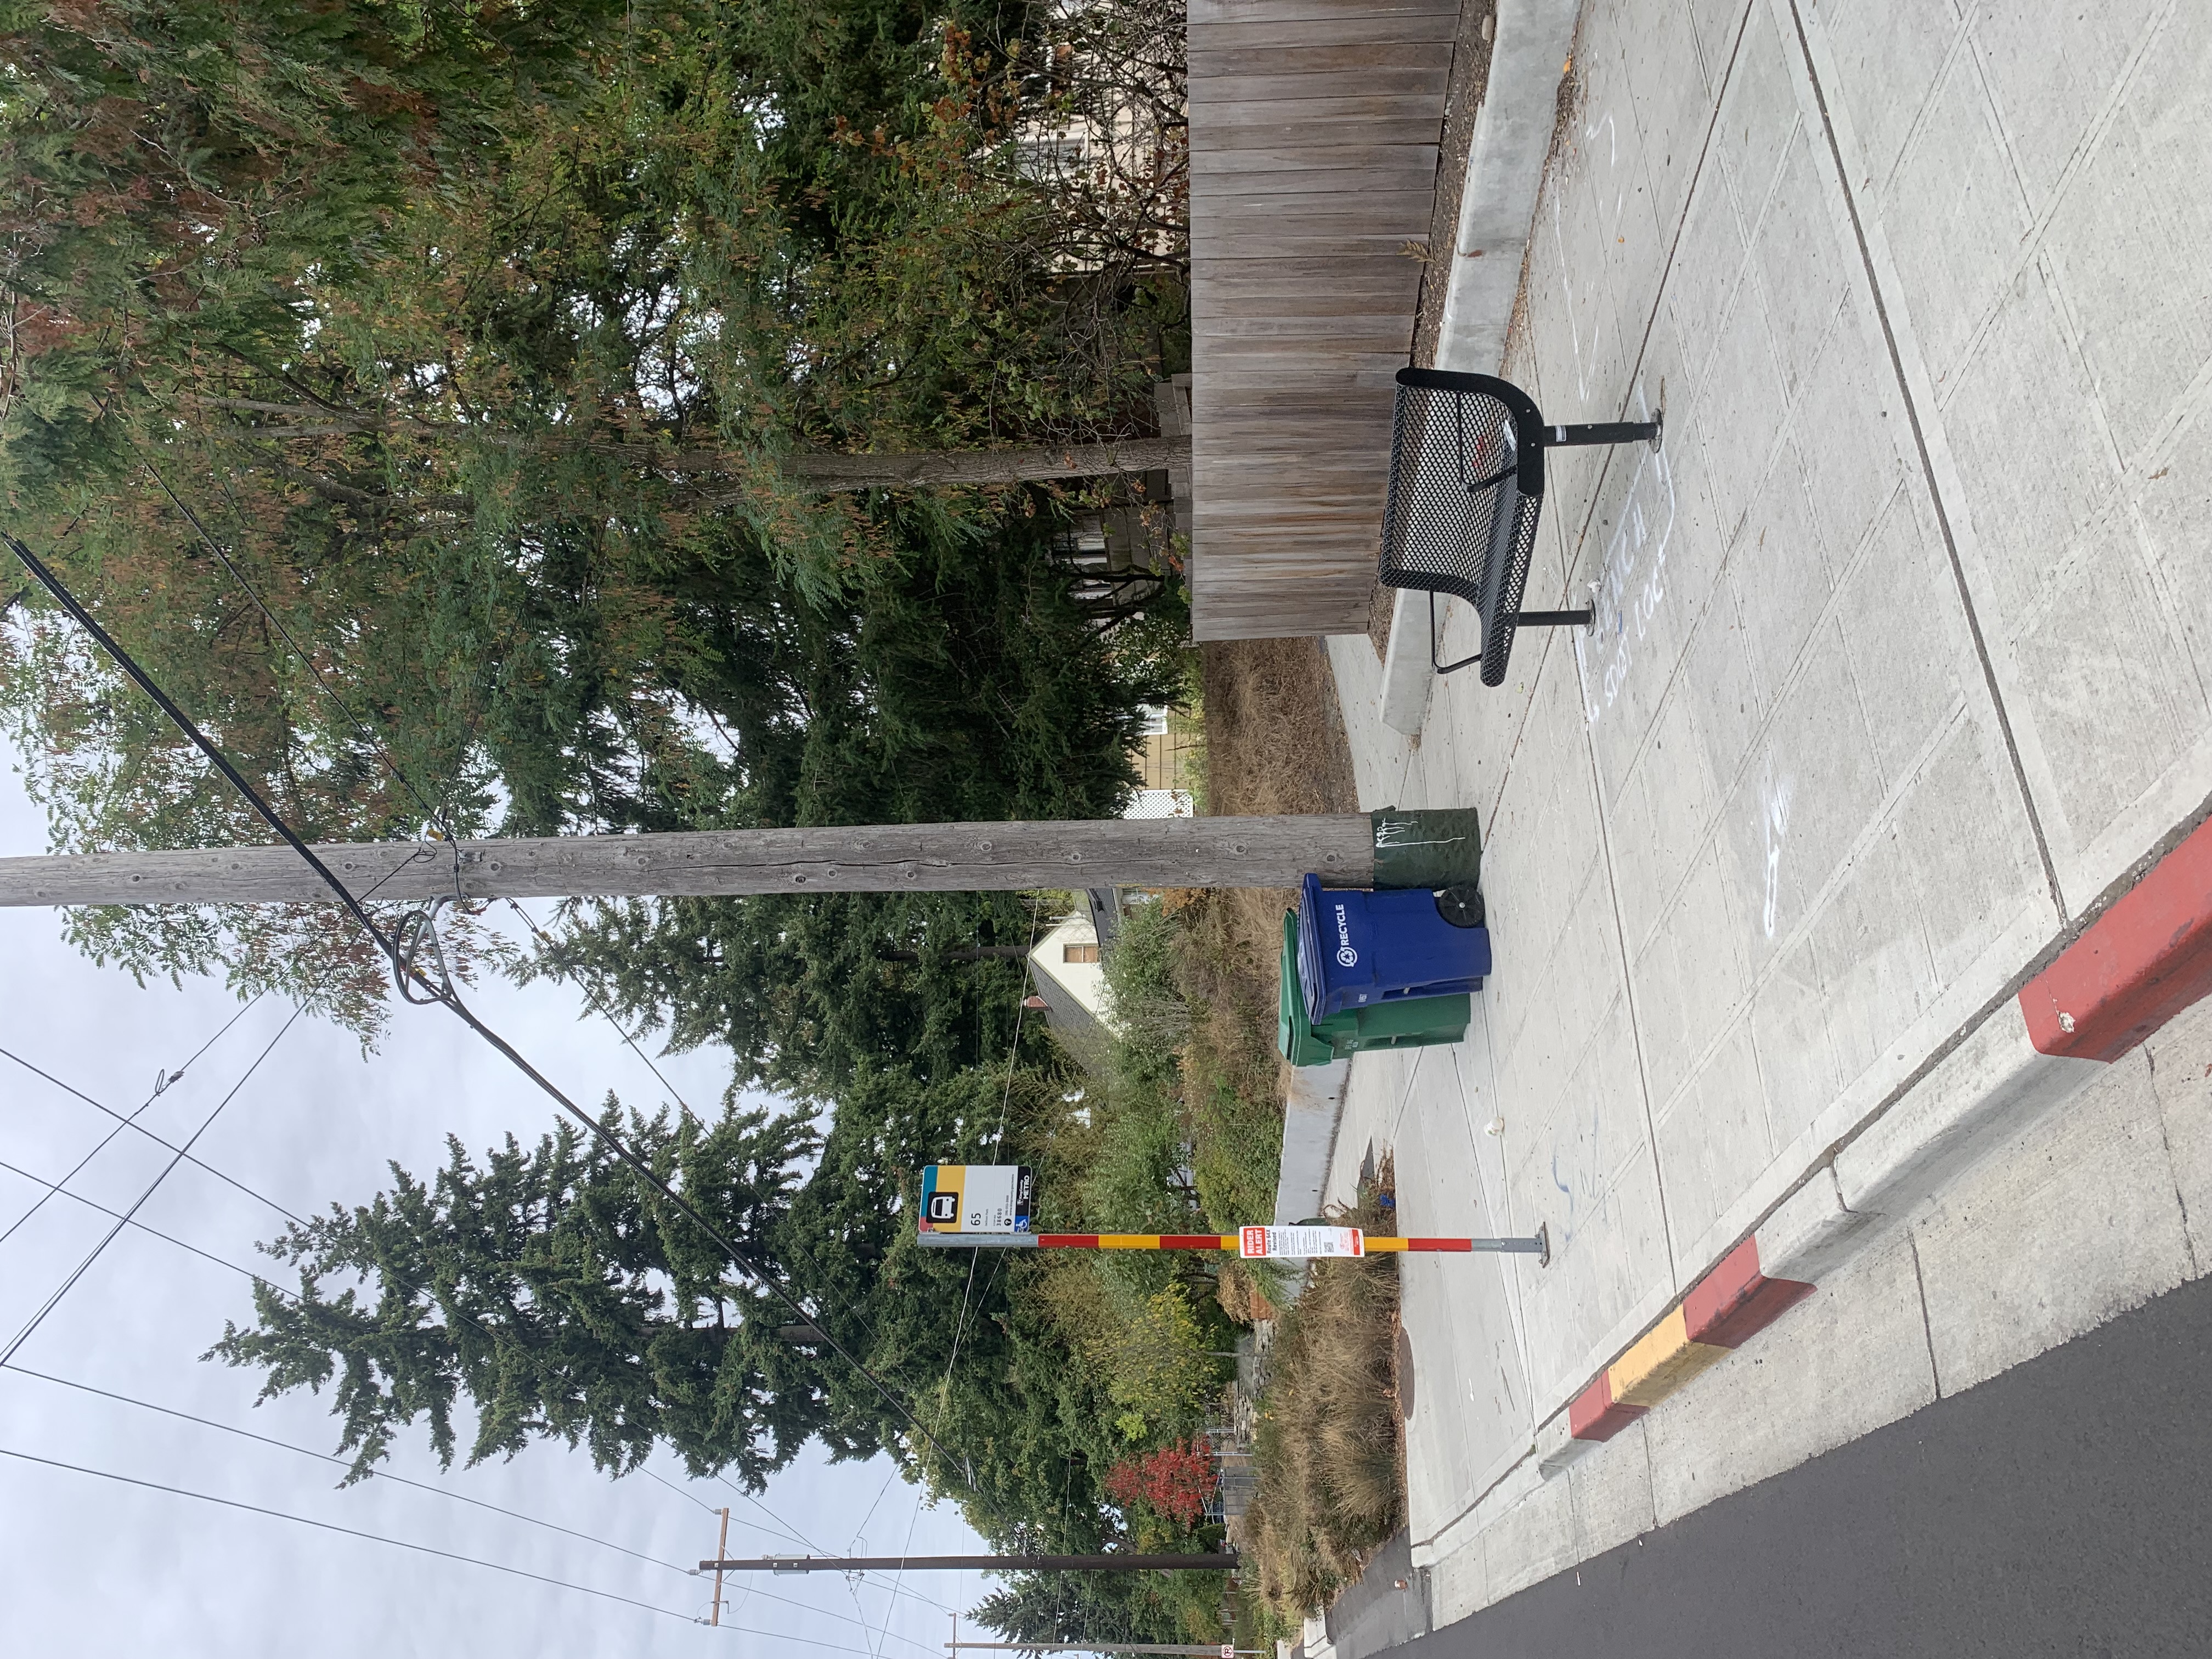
1175, 1480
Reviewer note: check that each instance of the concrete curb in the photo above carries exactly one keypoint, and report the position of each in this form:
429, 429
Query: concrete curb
1504, 175
1725, 1309
1490, 240
2145, 960
2148, 958
1313, 1107
1408, 671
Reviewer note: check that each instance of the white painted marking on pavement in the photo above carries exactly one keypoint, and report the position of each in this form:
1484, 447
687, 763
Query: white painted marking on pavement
1774, 820
1632, 582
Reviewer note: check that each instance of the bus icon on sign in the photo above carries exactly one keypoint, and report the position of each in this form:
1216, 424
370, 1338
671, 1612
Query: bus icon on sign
944, 1206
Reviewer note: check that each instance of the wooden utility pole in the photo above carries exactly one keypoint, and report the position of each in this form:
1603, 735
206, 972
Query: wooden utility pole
1204, 852
722, 1549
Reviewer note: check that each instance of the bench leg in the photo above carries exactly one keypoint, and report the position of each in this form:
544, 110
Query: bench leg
1603, 432
1521, 619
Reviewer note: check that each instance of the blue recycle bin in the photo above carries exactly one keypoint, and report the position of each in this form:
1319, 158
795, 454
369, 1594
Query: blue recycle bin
1356, 948
1400, 1023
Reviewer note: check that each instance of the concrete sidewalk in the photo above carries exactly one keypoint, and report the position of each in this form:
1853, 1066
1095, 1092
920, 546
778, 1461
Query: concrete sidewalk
2088, 1213
2057, 1510
1902, 652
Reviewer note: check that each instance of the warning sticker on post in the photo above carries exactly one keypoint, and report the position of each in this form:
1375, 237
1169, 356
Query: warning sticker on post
1298, 1244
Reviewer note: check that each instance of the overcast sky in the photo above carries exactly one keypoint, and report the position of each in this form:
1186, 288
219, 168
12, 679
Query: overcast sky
96, 1567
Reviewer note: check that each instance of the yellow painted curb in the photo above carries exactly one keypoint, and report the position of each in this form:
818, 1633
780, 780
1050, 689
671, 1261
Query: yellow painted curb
1662, 1362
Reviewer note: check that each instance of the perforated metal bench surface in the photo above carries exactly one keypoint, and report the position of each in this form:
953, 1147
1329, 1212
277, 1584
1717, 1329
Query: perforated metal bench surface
1467, 490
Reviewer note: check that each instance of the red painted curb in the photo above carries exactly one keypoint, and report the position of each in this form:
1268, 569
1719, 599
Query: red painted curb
1735, 1302
2143, 961
1727, 1307
1596, 1415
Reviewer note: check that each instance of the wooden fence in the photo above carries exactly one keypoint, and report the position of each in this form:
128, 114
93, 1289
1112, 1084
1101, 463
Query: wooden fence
1314, 128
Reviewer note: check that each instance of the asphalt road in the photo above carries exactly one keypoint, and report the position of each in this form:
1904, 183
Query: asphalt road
2063, 1507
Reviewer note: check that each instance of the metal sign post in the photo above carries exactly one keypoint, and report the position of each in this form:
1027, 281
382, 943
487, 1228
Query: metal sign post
1118, 1561
989, 1206
1254, 1243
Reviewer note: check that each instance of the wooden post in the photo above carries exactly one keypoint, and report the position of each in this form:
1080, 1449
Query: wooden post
722, 1549
1204, 852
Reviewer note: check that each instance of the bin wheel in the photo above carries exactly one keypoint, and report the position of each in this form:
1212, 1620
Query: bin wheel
1463, 907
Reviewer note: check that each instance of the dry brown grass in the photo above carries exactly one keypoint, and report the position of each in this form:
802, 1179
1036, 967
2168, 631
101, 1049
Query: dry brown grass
1274, 743
1330, 1453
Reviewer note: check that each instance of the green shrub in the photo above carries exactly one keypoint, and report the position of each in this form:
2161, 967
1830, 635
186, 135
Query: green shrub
1159, 1369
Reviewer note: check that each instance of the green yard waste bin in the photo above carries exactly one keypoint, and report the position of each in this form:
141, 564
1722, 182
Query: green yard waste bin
1405, 1023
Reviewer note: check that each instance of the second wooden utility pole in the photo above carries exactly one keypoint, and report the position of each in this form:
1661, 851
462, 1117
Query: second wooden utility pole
722, 1549
1387, 848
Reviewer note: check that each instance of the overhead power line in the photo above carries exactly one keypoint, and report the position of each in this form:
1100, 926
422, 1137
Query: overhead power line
126, 1122
782, 1529
786, 1530
165, 1080
55, 1189
329, 1457
444, 994
328, 1526
129, 1120
402, 1544
417, 1485
152, 1187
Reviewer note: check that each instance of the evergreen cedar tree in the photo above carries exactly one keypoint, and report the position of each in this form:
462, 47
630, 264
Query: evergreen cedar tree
474, 332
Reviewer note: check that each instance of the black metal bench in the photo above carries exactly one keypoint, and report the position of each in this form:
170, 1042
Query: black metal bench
1467, 486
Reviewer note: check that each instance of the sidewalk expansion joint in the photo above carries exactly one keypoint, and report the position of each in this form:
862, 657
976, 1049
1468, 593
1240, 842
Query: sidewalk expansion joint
1928, 470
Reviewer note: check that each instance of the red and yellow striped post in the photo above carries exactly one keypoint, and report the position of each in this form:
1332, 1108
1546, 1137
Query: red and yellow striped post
1293, 1244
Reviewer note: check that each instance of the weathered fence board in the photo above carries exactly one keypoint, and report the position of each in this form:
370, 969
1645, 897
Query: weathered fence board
1420, 72
1278, 12
1314, 132
1383, 28
1241, 64
1297, 113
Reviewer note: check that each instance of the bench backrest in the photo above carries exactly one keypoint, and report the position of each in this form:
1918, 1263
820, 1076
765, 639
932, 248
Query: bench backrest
1467, 489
